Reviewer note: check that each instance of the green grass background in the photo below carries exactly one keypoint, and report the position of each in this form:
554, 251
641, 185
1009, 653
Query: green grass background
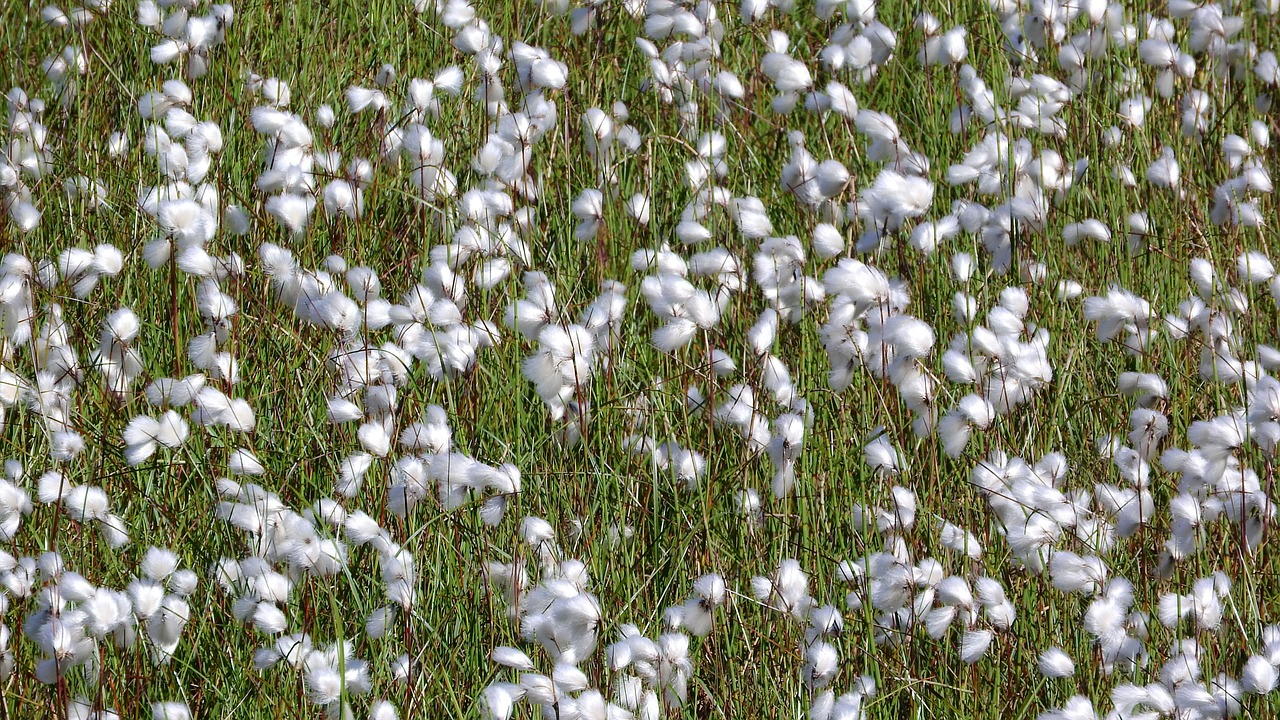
750, 665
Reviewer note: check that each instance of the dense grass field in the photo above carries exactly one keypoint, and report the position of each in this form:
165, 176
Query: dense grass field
610, 360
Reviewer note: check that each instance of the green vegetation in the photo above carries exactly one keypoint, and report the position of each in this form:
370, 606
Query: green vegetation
644, 532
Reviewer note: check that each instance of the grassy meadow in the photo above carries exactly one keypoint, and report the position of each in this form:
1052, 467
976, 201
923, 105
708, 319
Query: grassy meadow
633, 472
